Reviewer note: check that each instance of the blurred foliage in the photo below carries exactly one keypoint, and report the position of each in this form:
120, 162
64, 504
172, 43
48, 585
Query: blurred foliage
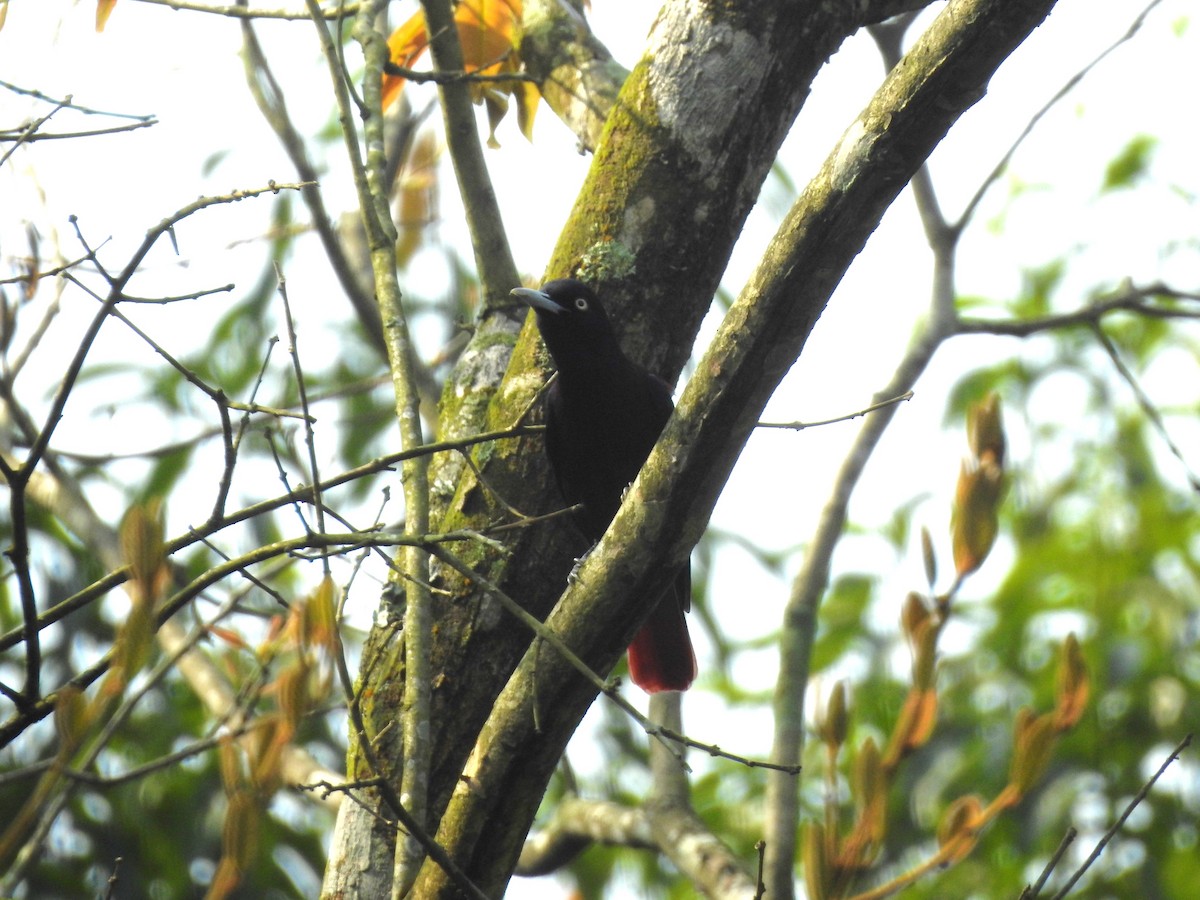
1131, 164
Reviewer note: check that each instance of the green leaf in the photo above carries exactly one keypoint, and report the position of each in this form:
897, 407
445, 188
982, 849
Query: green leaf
841, 618
1130, 165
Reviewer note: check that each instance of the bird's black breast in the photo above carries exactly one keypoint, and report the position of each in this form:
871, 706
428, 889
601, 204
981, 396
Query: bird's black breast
599, 431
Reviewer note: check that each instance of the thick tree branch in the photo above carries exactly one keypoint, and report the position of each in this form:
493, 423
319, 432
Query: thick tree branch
577, 75
579, 823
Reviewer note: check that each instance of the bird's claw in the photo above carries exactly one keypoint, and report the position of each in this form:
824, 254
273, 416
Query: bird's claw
573, 575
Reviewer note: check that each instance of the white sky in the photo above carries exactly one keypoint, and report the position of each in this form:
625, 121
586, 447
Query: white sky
184, 68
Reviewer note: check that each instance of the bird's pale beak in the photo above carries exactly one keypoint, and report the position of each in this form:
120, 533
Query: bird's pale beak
539, 300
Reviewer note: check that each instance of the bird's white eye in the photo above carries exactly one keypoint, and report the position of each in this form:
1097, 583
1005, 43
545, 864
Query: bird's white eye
581, 304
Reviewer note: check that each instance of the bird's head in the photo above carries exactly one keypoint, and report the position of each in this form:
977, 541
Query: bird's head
571, 319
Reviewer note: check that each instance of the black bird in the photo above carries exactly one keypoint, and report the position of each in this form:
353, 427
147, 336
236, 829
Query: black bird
603, 416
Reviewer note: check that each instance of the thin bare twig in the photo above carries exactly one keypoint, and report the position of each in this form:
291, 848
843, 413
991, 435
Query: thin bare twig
1147, 405
800, 426
26, 136
1116, 826
310, 439
242, 11
1070, 85
1032, 891
114, 579
420, 76
68, 102
117, 286
1131, 299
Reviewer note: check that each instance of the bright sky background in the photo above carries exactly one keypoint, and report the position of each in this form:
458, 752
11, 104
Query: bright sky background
184, 68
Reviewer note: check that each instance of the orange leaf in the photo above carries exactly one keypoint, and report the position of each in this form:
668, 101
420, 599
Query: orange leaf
915, 723
103, 9
405, 46
229, 636
485, 31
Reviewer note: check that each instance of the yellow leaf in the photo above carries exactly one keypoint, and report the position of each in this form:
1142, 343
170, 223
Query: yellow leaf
133, 642
239, 836
928, 557
1032, 747
870, 799
320, 616
957, 832
924, 665
528, 97
914, 724
292, 689
103, 9
1074, 686
985, 431
833, 720
230, 766
266, 770
496, 104
980, 487
224, 881
144, 551
816, 865
975, 521
915, 618
72, 717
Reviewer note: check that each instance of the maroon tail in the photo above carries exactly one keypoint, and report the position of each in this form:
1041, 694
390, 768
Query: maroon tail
661, 657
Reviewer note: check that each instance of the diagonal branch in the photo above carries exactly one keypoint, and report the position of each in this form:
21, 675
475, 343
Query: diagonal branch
668, 505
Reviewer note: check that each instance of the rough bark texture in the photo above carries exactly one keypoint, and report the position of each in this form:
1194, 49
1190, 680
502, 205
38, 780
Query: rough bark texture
684, 152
